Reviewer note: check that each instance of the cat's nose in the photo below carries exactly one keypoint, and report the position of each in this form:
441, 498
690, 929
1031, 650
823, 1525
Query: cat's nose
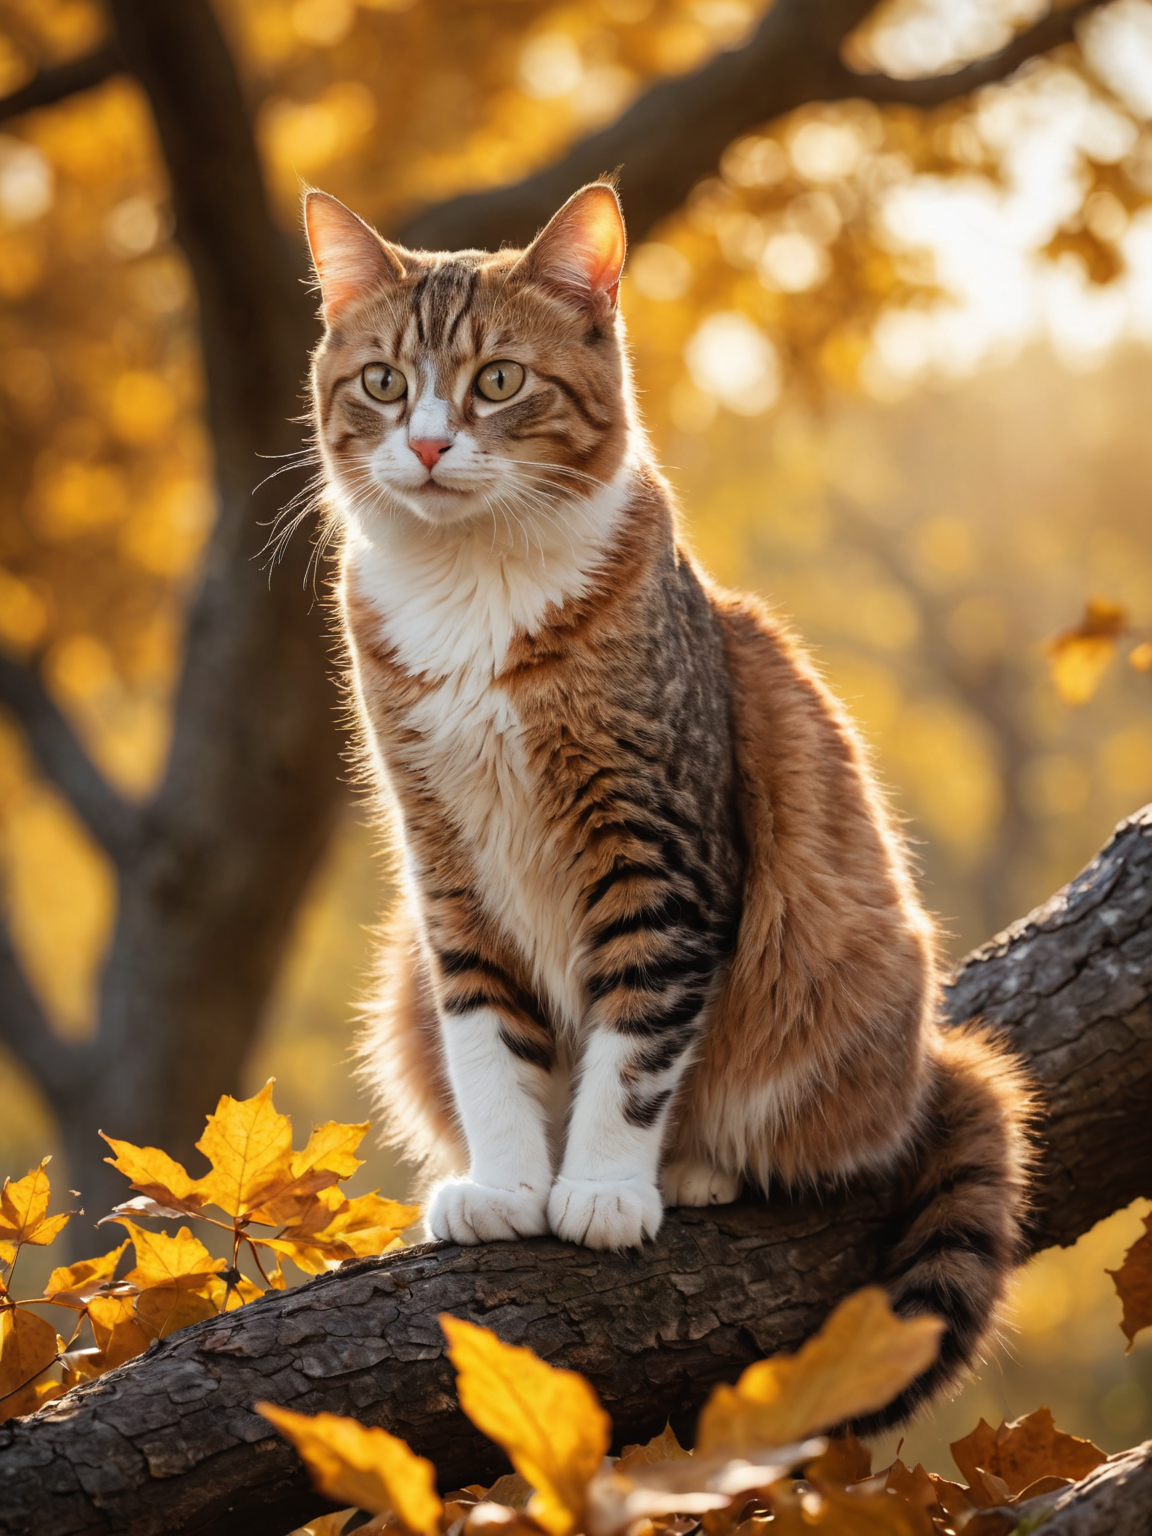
429, 449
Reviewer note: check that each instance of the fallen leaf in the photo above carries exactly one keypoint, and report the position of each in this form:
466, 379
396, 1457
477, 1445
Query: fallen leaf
158, 1177
662, 1447
861, 1359
24, 1210
549, 1422
844, 1512
1133, 1282
847, 1460
511, 1490
368, 1468
1017, 1454
1079, 657
249, 1144
1141, 657
28, 1346
914, 1486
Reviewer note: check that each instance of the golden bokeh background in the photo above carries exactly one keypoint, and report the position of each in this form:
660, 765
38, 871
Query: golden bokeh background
896, 364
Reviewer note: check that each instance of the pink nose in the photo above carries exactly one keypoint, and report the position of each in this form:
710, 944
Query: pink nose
429, 449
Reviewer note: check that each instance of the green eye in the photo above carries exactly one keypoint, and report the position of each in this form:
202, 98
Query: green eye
499, 381
384, 383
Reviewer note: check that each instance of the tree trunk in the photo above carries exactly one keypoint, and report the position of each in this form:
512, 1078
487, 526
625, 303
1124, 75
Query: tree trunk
169, 1443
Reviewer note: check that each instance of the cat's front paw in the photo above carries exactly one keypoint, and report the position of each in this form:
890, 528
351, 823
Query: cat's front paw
688, 1183
603, 1214
462, 1211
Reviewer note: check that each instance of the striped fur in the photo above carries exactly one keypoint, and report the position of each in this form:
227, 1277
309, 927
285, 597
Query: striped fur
658, 934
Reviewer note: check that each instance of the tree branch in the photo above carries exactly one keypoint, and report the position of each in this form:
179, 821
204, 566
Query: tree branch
169, 1443
1051, 31
53, 85
112, 821
24, 1026
674, 134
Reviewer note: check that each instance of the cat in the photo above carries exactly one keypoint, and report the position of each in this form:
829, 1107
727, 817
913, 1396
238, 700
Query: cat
657, 934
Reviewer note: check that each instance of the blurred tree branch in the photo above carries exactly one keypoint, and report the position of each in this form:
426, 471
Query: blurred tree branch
112, 821
674, 134
24, 1026
52, 85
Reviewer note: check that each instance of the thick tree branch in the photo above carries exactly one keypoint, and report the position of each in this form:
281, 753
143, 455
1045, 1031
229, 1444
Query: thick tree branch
675, 133
111, 819
53, 85
169, 1443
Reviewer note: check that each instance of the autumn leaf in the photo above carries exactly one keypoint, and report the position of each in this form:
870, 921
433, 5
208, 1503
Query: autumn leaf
1002, 1463
1141, 657
226, 1298
28, 1346
1133, 1282
24, 1210
370, 1468
861, 1359
328, 1158
118, 1334
914, 1486
181, 1261
663, 1447
76, 1284
249, 1144
158, 1177
861, 1511
333, 1229
1079, 657
549, 1422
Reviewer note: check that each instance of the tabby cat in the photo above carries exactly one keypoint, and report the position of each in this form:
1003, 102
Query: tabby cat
658, 934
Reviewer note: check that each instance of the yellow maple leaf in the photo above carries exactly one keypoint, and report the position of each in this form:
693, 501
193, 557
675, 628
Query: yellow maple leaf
226, 1298
328, 1158
118, 1334
24, 1210
157, 1176
28, 1346
369, 1468
1133, 1282
181, 1262
162, 1309
861, 1359
78, 1282
1078, 657
249, 1144
549, 1422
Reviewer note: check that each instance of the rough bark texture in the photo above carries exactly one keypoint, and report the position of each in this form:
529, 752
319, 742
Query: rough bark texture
1115, 1500
169, 1443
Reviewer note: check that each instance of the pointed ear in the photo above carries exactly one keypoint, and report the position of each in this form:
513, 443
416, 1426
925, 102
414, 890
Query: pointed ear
580, 253
349, 256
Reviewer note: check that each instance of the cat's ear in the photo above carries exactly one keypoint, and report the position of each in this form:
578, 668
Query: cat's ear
350, 258
580, 253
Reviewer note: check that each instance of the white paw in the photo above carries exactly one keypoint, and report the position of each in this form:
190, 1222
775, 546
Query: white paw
462, 1211
688, 1183
602, 1214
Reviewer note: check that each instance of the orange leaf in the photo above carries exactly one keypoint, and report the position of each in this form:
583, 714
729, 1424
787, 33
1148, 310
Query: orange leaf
862, 1358
1141, 657
157, 1176
664, 1447
164, 1308
79, 1282
181, 1262
118, 1335
861, 1511
369, 1468
1079, 657
1133, 1282
328, 1158
548, 1422
28, 1346
24, 1209
249, 1144
1021, 1453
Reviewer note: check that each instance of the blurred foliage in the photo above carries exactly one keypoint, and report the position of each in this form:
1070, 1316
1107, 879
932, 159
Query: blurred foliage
893, 362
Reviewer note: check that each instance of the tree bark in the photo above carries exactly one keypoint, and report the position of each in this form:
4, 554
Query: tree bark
169, 1443
1115, 1500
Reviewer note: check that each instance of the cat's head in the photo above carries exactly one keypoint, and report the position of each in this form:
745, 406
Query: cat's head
467, 385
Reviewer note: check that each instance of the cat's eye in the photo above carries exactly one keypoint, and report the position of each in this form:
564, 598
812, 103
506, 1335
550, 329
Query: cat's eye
384, 383
499, 381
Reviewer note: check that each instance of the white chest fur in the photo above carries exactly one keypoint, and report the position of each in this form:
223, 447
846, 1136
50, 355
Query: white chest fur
450, 603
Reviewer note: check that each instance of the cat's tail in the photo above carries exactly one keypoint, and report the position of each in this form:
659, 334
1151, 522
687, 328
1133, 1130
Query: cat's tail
959, 1231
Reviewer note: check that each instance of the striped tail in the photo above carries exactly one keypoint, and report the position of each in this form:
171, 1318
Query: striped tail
959, 1232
